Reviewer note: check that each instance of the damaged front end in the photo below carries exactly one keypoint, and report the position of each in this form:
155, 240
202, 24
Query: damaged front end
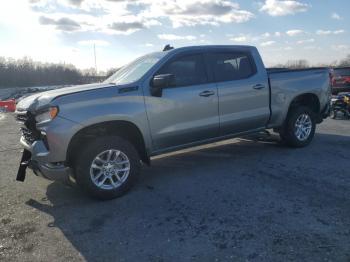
30, 134
36, 151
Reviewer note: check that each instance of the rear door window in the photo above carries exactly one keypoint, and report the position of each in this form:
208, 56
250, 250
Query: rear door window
232, 66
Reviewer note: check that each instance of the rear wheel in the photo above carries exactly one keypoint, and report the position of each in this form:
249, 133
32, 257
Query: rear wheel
299, 128
107, 167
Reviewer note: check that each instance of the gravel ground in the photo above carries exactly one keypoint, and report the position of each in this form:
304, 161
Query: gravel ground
239, 200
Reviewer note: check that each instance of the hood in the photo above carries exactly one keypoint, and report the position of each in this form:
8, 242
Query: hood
33, 102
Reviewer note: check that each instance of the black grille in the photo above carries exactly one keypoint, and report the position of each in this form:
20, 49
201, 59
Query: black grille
29, 131
28, 135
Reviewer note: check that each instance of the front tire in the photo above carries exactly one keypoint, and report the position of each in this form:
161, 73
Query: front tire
299, 128
107, 167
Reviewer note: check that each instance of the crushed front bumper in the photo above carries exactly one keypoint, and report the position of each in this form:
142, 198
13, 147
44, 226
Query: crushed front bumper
32, 157
45, 147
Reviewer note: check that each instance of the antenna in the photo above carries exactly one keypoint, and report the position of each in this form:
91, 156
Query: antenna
167, 48
95, 58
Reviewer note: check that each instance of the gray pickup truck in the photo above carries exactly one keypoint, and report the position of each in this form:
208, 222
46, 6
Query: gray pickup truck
97, 135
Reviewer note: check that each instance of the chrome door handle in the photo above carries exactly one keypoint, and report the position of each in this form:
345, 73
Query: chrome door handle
259, 86
207, 93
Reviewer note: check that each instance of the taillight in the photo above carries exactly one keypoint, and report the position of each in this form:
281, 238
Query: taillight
333, 82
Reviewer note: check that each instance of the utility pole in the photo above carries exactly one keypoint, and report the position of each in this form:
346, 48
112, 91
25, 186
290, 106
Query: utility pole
95, 58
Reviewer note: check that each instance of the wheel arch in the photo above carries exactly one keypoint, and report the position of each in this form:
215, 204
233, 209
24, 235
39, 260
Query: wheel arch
310, 100
122, 128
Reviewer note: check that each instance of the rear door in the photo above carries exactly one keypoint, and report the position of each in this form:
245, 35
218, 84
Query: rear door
243, 91
186, 112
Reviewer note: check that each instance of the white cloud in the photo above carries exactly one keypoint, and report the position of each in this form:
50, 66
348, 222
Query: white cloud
149, 45
62, 24
341, 47
323, 32
312, 47
336, 16
109, 17
294, 32
266, 35
94, 42
127, 27
239, 39
254, 39
283, 7
197, 12
329, 32
126, 17
311, 40
268, 43
172, 37
337, 32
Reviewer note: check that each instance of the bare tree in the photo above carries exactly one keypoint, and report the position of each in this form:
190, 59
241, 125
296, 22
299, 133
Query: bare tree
111, 71
345, 61
298, 64
25, 72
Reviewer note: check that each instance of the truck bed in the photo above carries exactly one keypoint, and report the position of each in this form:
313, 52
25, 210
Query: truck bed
283, 70
286, 84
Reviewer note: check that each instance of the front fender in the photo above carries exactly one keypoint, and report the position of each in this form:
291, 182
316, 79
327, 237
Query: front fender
90, 108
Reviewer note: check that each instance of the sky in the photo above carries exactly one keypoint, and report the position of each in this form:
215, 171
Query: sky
65, 31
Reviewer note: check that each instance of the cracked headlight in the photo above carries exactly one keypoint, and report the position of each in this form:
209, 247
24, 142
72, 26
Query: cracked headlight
47, 115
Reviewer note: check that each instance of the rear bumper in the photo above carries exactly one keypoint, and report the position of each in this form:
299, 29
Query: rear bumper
324, 113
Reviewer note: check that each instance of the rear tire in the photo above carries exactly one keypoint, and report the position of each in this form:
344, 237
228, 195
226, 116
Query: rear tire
299, 127
107, 167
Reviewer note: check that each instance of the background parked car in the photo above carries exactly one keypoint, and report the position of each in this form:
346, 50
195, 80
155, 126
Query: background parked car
340, 80
8, 105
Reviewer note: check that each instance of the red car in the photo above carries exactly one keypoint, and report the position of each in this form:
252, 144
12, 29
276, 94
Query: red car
340, 80
8, 105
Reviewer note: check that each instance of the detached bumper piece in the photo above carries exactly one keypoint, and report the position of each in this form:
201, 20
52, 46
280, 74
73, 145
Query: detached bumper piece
21, 173
54, 172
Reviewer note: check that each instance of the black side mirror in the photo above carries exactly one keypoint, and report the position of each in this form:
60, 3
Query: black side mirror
161, 81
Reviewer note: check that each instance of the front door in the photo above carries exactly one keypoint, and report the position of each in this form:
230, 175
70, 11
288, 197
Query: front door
187, 111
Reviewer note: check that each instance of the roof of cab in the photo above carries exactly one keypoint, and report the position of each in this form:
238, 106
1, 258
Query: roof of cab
210, 47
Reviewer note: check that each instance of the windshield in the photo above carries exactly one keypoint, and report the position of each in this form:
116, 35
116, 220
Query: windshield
135, 70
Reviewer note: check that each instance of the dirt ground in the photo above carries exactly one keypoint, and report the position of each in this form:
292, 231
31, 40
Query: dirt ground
239, 200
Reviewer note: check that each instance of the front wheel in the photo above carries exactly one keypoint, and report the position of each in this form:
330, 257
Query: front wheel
107, 167
299, 128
